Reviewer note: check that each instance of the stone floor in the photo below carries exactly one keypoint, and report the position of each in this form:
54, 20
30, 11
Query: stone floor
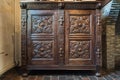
14, 74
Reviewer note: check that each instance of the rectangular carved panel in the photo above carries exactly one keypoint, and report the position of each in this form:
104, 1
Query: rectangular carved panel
79, 24
43, 49
79, 49
42, 24
79, 37
42, 37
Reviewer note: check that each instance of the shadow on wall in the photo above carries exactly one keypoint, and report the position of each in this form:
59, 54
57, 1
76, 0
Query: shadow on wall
117, 33
117, 62
104, 46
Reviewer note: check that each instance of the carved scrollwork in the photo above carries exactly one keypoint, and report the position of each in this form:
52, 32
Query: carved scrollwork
59, 5
42, 6
61, 20
41, 0
99, 6
23, 5
42, 24
42, 49
23, 37
80, 49
23, 24
98, 38
79, 24
79, 5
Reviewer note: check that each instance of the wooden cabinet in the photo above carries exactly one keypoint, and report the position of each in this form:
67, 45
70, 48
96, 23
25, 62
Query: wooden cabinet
61, 35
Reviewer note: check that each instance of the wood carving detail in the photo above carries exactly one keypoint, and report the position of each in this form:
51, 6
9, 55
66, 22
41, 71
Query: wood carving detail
42, 6
98, 37
42, 49
80, 49
80, 6
23, 37
42, 24
79, 24
54, 5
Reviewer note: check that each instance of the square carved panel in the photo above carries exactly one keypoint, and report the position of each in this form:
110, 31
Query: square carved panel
42, 24
43, 49
79, 49
79, 24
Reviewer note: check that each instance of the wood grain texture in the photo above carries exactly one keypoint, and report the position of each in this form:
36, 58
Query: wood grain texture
17, 33
6, 34
79, 43
41, 37
63, 39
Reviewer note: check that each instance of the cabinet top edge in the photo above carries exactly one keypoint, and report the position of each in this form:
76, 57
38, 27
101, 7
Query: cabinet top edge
60, 1
60, 5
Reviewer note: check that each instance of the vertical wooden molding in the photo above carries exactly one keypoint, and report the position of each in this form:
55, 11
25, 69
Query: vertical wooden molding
61, 37
23, 34
98, 39
23, 37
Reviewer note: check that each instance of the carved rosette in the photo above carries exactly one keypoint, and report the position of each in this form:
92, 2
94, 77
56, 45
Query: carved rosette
80, 49
23, 37
42, 24
42, 49
79, 24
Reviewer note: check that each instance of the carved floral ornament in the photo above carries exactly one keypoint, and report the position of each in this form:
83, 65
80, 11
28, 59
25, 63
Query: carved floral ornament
42, 24
79, 24
43, 49
80, 49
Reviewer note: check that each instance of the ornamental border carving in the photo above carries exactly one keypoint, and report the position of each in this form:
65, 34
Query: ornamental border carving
59, 5
23, 37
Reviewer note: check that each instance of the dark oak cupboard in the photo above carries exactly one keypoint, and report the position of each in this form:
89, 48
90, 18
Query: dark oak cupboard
61, 35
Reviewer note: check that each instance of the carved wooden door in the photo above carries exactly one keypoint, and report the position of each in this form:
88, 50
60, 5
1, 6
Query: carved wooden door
79, 38
42, 37
61, 37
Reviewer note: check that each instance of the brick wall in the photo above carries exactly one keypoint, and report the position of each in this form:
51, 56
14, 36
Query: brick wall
112, 47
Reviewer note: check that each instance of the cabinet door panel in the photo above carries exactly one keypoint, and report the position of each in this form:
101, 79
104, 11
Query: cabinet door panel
42, 38
79, 30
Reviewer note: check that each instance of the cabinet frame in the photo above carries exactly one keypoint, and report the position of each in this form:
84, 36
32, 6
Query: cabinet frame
84, 5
